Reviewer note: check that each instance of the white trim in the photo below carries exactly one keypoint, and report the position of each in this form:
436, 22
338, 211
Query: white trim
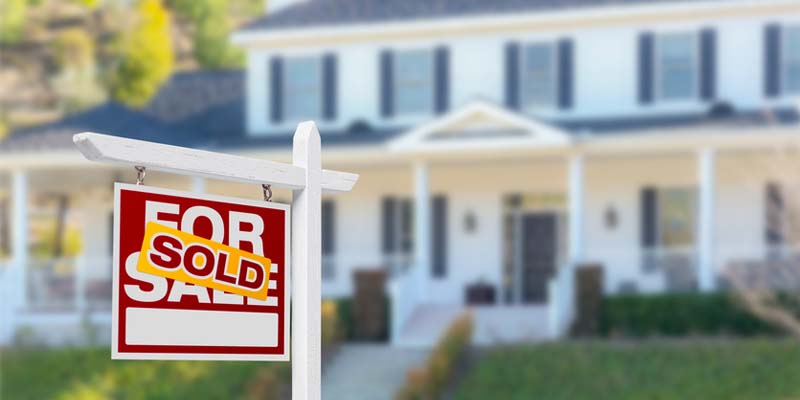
252, 38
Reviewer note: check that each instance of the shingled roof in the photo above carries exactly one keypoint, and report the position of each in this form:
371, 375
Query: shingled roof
319, 13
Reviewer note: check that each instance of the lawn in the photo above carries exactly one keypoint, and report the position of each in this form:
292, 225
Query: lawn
89, 374
736, 369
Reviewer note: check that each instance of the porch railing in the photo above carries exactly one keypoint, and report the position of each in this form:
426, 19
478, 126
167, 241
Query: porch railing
67, 285
406, 290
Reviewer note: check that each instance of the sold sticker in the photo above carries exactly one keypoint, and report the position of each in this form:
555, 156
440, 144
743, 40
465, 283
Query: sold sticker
184, 257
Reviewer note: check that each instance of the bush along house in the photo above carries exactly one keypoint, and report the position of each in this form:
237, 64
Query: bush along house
502, 145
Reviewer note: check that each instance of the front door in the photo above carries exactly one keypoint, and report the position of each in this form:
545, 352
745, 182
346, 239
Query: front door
538, 256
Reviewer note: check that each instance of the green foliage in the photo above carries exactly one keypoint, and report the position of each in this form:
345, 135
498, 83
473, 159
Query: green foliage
754, 369
72, 374
76, 81
145, 56
430, 381
212, 26
74, 48
12, 20
679, 315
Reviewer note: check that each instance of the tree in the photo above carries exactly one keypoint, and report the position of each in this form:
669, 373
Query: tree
212, 25
12, 20
76, 81
145, 56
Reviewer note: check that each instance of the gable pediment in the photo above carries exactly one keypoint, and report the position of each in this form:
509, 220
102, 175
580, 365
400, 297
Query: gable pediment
480, 122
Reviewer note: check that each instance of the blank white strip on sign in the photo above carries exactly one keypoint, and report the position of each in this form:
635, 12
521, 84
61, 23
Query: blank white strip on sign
148, 326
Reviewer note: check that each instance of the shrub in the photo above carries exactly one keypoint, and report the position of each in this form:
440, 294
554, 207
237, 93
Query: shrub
429, 381
679, 315
331, 325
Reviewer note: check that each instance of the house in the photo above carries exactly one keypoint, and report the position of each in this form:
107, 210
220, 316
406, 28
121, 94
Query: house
501, 144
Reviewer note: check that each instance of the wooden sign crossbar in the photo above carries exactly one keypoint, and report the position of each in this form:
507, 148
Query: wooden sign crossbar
307, 180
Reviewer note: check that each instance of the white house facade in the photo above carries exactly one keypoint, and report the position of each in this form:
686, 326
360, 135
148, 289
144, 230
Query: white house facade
501, 145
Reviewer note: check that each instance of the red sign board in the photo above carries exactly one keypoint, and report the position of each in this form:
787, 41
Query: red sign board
199, 277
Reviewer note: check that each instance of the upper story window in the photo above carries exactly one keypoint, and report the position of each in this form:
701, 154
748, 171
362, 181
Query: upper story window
677, 66
303, 88
413, 81
791, 59
539, 75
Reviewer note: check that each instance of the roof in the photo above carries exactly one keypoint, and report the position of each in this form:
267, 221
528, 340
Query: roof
331, 13
200, 109
205, 109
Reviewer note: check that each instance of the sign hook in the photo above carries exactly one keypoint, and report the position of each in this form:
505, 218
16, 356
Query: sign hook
140, 173
267, 189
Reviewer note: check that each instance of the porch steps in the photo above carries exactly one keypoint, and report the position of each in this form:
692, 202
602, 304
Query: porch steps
493, 324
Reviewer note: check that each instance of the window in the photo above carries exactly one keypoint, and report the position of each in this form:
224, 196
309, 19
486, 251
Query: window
677, 66
791, 59
413, 81
303, 88
676, 217
539, 75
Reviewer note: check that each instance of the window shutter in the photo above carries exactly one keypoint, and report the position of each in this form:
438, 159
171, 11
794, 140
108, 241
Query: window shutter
442, 77
276, 90
773, 214
649, 222
407, 224
512, 76
387, 84
565, 74
708, 68
439, 237
388, 212
329, 76
328, 227
772, 60
646, 68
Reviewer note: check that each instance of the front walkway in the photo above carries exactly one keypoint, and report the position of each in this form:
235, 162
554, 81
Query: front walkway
368, 371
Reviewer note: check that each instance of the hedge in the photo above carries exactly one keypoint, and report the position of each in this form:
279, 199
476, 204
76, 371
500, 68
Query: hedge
430, 380
679, 315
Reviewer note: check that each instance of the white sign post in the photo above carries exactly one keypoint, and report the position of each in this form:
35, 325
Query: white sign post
304, 176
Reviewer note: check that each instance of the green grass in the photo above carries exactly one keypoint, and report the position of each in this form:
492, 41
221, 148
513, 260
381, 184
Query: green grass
90, 374
736, 369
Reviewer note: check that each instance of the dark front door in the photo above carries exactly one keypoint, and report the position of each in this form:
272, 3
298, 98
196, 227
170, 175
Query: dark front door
538, 256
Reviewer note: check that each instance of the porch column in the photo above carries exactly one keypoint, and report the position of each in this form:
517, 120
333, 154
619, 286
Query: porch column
576, 189
705, 226
19, 238
422, 226
198, 184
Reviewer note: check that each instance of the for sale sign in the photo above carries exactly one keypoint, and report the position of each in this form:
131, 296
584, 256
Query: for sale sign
199, 277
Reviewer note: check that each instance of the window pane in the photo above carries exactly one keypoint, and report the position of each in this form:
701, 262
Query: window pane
302, 88
677, 66
413, 82
676, 217
792, 59
538, 76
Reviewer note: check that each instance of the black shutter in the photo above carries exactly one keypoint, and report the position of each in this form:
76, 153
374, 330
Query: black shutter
276, 89
330, 84
439, 237
407, 225
649, 221
646, 68
328, 227
772, 57
388, 212
773, 215
387, 83
565, 74
512, 76
708, 68
442, 78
